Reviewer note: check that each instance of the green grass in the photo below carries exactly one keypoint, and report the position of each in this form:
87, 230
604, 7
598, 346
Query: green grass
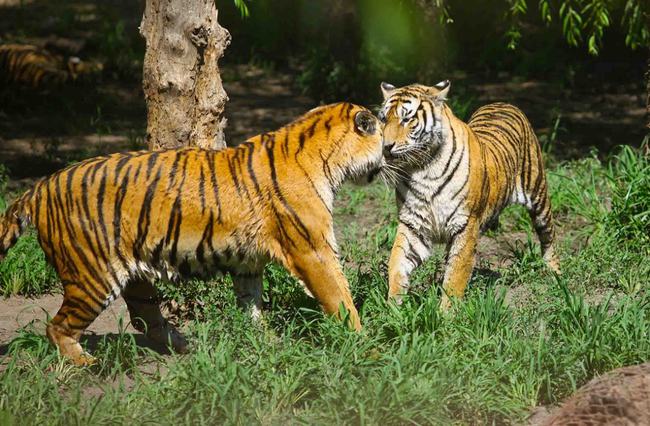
522, 337
24, 271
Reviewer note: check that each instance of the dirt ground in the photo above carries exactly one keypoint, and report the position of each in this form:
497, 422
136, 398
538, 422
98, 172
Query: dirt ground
18, 312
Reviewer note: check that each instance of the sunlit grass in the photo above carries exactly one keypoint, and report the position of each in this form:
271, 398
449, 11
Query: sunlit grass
522, 337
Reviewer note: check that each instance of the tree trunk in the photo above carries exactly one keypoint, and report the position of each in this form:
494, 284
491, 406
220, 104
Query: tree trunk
646, 148
646, 140
181, 81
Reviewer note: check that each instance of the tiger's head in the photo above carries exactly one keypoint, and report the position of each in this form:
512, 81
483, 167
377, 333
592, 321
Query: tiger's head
350, 144
412, 118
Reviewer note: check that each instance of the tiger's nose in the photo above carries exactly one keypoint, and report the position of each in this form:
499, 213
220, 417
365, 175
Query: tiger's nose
388, 147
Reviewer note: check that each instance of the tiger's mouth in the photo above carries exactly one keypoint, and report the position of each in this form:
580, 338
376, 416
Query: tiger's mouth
401, 163
369, 172
373, 174
413, 156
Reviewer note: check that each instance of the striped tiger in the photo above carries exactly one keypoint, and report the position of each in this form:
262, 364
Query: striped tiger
112, 225
453, 179
36, 67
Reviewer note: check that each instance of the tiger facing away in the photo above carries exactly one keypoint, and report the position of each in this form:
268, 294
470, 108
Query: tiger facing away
112, 225
453, 179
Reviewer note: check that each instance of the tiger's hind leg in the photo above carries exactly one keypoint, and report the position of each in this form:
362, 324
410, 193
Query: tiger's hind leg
144, 309
461, 252
82, 303
539, 209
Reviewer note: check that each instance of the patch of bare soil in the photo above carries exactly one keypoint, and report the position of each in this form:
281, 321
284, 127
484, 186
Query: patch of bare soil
17, 312
260, 101
539, 416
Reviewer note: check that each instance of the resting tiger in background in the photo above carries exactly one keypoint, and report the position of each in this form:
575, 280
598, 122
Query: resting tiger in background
453, 179
39, 68
112, 225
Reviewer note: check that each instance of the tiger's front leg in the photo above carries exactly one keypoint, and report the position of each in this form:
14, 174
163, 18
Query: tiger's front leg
321, 272
461, 252
408, 252
248, 289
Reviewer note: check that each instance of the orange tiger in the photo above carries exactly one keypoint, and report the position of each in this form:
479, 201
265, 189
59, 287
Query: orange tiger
36, 67
112, 225
453, 179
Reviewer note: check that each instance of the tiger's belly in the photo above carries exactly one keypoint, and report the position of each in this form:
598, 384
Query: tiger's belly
206, 264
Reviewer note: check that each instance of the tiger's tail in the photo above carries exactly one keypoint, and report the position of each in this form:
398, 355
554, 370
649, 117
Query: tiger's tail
13, 223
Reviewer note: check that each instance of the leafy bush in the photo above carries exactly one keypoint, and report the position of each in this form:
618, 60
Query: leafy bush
25, 271
629, 218
4, 178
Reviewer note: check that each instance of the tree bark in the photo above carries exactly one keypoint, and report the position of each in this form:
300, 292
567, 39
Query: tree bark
181, 81
647, 99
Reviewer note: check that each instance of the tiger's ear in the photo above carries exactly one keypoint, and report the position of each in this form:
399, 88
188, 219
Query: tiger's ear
440, 90
365, 123
387, 89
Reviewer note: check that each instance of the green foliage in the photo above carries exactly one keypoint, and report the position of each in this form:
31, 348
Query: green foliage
585, 20
4, 179
638, 34
119, 354
354, 57
242, 7
25, 271
122, 56
196, 297
629, 218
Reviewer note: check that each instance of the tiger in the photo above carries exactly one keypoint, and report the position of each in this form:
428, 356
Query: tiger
112, 225
36, 67
453, 179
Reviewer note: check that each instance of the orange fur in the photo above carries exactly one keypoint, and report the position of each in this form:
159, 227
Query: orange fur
453, 179
111, 225
36, 67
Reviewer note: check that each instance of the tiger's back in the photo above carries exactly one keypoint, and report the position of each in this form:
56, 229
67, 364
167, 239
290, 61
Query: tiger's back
513, 159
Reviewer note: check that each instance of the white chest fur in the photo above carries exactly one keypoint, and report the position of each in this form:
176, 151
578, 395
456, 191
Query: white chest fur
434, 198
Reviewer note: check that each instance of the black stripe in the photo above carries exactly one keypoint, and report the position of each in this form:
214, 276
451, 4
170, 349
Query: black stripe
295, 219
151, 162
120, 195
251, 171
301, 142
451, 174
119, 166
144, 218
101, 191
209, 157
206, 238
202, 187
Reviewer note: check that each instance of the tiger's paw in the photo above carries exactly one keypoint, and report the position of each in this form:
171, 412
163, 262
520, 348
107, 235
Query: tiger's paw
552, 261
445, 303
83, 359
397, 299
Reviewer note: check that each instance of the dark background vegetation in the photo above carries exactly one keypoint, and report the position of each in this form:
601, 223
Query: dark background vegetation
523, 337
327, 51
